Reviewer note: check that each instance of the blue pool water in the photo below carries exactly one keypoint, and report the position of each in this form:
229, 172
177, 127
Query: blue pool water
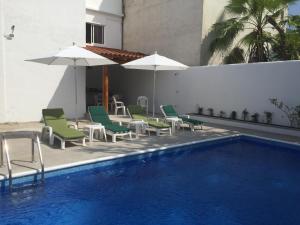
234, 182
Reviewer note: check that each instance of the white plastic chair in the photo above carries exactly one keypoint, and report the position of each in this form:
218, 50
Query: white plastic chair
143, 102
118, 105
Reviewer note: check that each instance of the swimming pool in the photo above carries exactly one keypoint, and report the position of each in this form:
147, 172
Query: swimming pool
237, 180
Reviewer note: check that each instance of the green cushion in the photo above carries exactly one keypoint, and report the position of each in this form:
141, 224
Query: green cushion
139, 117
116, 128
55, 118
191, 121
151, 122
157, 124
99, 115
136, 109
53, 114
170, 111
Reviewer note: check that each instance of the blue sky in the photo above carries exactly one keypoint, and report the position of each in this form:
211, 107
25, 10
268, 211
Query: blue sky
295, 9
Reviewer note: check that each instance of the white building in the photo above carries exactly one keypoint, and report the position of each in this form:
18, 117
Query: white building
177, 29
34, 28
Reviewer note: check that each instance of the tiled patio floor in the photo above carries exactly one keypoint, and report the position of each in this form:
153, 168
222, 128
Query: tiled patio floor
20, 149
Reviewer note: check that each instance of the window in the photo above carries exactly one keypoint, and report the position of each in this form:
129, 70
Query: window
94, 34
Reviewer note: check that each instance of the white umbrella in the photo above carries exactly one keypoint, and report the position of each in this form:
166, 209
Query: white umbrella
155, 62
74, 56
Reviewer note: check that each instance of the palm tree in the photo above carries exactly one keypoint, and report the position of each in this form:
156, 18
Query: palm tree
248, 30
286, 45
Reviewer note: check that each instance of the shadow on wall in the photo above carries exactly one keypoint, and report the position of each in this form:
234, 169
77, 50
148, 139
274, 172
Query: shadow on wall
205, 53
64, 95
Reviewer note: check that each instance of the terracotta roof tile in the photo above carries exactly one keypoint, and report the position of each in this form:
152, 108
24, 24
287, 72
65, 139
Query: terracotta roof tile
117, 55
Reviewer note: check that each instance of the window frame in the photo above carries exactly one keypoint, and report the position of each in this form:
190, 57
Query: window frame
92, 35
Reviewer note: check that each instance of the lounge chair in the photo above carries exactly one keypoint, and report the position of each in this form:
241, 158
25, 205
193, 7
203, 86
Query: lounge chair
172, 116
98, 114
136, 112
57, 126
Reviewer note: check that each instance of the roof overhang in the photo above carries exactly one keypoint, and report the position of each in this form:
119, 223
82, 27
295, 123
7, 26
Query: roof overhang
117, 55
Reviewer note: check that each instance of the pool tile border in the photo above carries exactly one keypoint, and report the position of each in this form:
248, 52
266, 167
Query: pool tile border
33, 177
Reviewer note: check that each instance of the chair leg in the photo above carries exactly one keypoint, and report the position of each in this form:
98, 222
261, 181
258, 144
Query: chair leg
116, 110
130, 135
83, 142
157, 132
192, 128
170, 131
62, 144
104, 133
51, 139
43, 134
114, 138
124, 111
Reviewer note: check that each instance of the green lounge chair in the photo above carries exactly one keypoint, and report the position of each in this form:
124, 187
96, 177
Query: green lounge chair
172, 116
57, 127
98, 114
137, 113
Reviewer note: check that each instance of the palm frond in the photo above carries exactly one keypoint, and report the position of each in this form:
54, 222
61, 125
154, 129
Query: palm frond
225, 33
237, 7
235, 56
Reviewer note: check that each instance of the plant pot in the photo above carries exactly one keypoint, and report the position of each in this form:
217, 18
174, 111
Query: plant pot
245, 115
210, 111
200, 111
233, 115
255, 118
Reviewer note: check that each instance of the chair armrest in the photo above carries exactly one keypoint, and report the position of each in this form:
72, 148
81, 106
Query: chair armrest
50, 133
94, 123
186, 116
120, 104
118, 122
48, 128
137, 120
72, 125
154, 119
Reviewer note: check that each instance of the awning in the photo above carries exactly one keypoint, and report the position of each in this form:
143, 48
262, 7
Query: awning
117, 55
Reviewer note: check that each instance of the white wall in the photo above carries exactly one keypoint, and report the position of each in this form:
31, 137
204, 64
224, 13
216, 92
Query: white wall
41, 27
106, 6
225, 87
112, 27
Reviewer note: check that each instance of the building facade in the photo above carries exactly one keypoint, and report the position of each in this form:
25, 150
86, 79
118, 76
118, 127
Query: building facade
175, 28
104, 22
33, 28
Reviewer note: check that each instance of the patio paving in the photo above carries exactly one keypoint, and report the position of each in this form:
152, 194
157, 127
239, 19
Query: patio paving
20, 149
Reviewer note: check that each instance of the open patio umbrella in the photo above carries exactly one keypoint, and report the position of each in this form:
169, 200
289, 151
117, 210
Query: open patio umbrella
156, 63
74, 56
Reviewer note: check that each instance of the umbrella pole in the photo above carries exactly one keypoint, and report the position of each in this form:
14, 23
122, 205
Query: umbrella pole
154, 90
76, 99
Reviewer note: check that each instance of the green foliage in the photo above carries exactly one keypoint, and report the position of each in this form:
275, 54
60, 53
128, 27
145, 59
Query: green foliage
249, 28
287, 46
292, 113
235, 56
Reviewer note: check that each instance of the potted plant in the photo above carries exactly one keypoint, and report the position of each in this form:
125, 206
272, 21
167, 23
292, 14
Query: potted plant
245, 114
222, 114
269, 116
233, 115
292, 113
255, 117
210, 111
200, 111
